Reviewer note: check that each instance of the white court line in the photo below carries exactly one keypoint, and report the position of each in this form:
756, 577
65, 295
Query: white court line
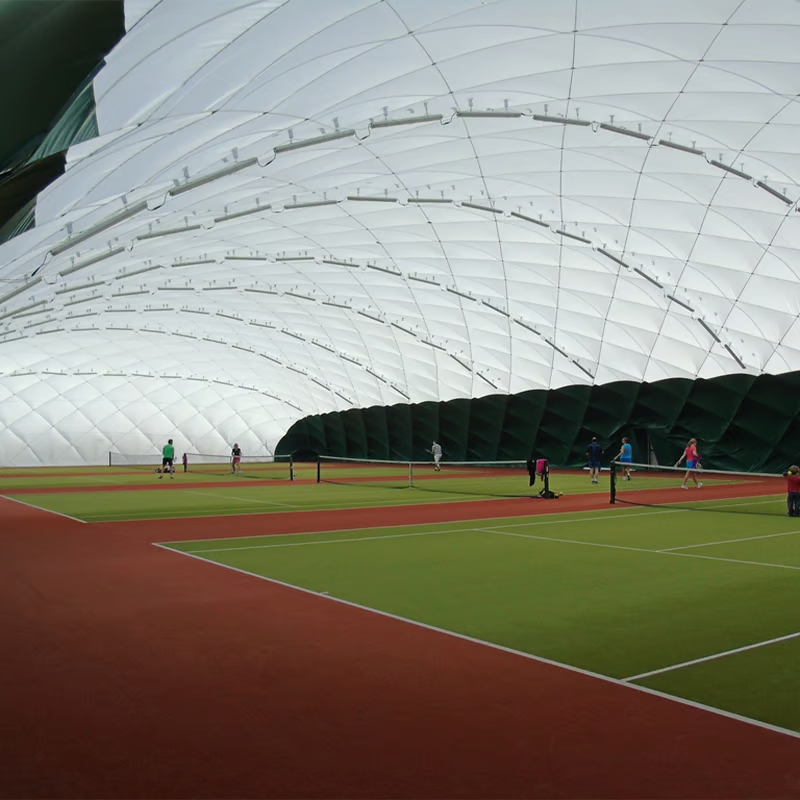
200, 492
712, 657
528, 523
729, 541
46, 510
538, 659
240, 499
565, 541
499, 530
623, 511
638, 549
392, 536
299, 510
326, 541
731, 560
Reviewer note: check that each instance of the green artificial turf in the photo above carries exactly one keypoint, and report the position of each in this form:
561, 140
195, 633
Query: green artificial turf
591, 590
183, 497
619, 591
175, 498
762, 683
131, 476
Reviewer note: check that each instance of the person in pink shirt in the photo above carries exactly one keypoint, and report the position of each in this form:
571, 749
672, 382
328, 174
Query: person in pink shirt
692, 458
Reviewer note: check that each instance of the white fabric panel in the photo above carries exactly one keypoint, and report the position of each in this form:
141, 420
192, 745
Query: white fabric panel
178, 281
136, 9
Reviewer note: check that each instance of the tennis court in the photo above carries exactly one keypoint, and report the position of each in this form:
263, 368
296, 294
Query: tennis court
701, 606
621, 593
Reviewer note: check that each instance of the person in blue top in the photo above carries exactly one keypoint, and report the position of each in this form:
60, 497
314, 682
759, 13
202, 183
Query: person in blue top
625, 457
593, 453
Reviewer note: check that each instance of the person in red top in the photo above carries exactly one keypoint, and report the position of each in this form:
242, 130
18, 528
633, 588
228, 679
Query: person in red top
692, 463
793, 490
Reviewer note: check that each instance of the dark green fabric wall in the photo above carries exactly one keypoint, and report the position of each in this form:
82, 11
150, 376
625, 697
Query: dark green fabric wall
49, 53
47, 50
741, 421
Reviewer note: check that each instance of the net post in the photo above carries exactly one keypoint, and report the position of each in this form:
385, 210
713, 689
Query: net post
546, 479
411, 474
109, 458
291, 468
319, 465
612, 482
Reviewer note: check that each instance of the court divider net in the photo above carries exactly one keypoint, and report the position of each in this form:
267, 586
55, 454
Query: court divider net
264, 467
477, 478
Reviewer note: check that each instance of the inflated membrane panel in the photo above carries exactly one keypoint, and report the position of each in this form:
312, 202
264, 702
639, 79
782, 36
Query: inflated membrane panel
298, 206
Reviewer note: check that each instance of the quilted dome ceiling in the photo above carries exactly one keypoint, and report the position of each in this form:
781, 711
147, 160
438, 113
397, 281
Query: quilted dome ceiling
299, 206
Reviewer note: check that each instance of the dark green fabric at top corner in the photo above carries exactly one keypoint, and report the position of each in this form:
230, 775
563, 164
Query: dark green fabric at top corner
742, 422
47, 50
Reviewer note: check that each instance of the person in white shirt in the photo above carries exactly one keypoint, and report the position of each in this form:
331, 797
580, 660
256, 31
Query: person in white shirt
436, 450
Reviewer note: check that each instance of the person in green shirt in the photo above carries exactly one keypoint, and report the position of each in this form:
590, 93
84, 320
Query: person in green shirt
168, 460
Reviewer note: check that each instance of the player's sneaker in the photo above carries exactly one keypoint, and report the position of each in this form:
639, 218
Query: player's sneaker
684, 486
699, 485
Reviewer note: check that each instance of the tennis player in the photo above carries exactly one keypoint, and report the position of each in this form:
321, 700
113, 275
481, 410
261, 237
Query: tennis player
793, 490
625, 457
236, 459
167, 460
436, 452
692, 458
593, 454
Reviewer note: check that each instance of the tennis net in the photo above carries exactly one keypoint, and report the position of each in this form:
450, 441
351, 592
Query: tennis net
477, 478
258, 467
706, 489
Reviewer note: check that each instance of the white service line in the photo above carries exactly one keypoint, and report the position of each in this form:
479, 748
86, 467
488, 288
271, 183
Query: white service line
617, 511
623, 514
566, 541
299, 510
500, 530
638, 549
729, 541
46, 510
391, 536
712, 657
463, 637
325, 541
731, 560
239, 499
